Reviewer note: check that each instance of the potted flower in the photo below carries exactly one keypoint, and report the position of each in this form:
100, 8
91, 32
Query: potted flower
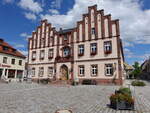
122, 99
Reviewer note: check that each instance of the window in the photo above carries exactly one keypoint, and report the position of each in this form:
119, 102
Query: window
5, 48
93, 31
42, 53
65, 37
5, 60
42, 42
66, 52
93, 49
20, 62
50, 71
33, 55
81, 50
13, 61
41, 71
81, 70
107, 47
50, 53
33, 71
14, 50
94, 70
109, 69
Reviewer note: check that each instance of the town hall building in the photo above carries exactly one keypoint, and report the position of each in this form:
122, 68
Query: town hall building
92, 50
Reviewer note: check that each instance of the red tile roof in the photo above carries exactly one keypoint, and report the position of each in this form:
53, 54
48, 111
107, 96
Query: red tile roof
11, 51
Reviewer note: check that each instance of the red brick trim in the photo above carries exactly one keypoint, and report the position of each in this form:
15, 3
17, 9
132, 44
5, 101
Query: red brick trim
103, 81
89, 23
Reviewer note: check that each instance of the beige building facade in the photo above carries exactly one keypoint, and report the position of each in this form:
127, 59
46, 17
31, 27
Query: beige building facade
92, 50
12, 63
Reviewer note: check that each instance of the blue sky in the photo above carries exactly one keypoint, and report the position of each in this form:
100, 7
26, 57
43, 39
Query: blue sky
18, 18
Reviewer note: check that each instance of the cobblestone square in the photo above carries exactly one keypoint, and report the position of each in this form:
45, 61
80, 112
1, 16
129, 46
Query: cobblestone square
34, 98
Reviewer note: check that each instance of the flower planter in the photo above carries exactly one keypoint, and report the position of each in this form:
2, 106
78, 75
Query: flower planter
122, 99
122, 105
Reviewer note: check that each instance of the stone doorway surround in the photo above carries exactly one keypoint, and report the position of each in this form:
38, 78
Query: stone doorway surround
64, 75
63, 111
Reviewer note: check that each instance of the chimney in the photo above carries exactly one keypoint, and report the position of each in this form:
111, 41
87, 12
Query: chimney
1, 40
60, 29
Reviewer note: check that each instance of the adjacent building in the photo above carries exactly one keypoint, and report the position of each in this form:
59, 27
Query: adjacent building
91, 50
145, 74
12, 62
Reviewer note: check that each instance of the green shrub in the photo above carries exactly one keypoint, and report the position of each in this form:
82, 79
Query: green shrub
125, 91
121, 97
138, 83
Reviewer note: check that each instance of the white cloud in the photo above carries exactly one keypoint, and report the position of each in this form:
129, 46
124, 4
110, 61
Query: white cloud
24, 52
25, 35
30, 5
8, 1
53, 11
19, 46
133, 19
129, 53
56, 4
30, 16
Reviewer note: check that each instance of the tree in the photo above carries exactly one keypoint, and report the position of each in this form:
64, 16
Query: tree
137, 70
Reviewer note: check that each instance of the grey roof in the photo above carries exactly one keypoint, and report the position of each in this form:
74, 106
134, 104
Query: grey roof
65, 31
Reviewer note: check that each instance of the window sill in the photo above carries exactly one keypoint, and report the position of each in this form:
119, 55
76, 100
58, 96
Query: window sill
33, 59
81, 75
108, 52
94, 75
80, 55
50, 57
94, 53
41, 58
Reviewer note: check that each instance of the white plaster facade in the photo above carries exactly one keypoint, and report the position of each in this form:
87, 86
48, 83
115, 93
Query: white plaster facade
12, 72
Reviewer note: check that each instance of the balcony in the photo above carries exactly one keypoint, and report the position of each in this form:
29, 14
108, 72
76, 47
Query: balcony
68, 58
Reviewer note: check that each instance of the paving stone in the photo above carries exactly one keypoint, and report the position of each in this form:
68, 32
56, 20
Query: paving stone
35, 98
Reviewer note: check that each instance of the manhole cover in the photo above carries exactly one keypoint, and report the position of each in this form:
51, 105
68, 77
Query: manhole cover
63, 111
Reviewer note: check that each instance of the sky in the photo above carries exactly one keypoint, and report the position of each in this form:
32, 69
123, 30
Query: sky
18, 18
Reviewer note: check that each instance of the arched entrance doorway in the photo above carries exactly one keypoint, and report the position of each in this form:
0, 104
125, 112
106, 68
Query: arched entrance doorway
64, 72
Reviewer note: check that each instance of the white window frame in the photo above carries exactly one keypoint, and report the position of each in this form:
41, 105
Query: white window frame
20, 62
51, 52
81, 70
41, 71
81, 49
109, 69
93, 31
94, 70
5, 59
42, 53
42, 42
33, 54
65, 37
107, 46
50, 71
66, 52
93, 47
33, 71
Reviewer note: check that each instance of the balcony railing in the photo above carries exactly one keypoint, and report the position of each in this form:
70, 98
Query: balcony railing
64, 59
